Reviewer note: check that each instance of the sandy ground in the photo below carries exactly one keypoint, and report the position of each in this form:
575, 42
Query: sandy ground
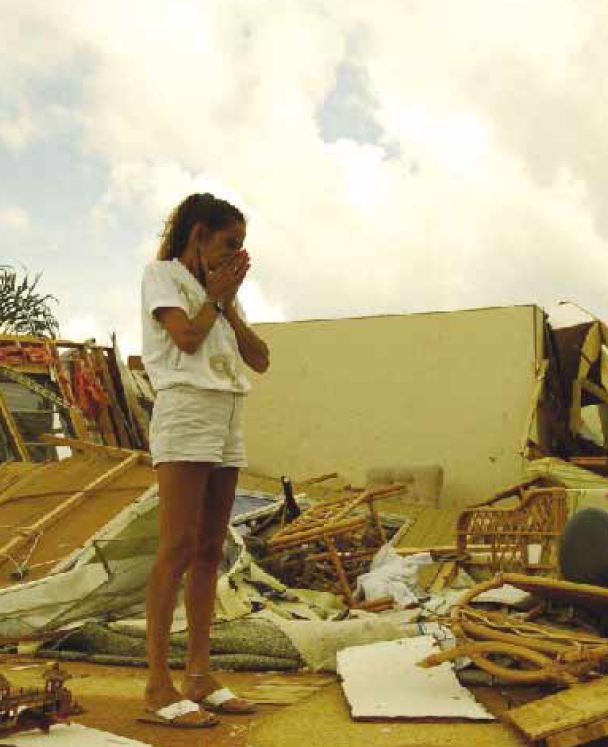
299, 709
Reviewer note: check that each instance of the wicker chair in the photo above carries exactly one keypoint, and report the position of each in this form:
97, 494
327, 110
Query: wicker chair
520, 538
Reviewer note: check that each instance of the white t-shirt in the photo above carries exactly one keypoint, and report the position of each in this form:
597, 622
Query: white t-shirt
216, 364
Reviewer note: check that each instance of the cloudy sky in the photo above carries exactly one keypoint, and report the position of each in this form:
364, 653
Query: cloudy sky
392, 156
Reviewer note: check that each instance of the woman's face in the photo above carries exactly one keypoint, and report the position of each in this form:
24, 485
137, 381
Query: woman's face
221, 244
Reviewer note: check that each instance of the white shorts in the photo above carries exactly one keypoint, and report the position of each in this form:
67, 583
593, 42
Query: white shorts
197, 425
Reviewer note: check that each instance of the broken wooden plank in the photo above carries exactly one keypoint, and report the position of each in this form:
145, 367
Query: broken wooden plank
102, 370
112, 452
567, 718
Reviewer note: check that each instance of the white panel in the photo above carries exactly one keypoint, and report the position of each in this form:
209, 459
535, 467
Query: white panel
382, 681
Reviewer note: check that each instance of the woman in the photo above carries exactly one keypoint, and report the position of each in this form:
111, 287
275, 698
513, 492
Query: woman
194, 341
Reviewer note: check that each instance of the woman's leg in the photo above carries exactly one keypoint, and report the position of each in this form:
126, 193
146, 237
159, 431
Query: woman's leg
182, 486
202, 583
202, 576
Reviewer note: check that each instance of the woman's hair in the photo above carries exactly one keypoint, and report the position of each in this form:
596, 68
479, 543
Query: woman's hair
215, 214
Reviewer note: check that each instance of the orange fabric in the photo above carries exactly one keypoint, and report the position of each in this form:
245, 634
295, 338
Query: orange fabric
19, 354
90, 396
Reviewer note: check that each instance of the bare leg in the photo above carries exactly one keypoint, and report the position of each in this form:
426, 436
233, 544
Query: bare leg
182, 486
202, 580
202, 576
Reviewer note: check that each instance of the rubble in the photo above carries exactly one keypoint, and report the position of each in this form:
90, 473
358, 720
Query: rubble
317, 573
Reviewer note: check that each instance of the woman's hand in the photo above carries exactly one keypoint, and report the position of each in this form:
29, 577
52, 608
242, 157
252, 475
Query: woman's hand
223, 283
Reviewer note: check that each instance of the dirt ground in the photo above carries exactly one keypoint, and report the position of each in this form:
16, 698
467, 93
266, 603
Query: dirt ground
293, 709
111, 697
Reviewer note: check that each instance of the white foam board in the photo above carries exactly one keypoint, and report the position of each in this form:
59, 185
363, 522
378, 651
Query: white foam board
381, 680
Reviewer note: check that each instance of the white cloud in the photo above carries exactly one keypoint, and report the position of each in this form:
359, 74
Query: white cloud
496, 194
14, 217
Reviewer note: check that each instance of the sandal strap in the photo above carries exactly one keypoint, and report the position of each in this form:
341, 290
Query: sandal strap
219, 697
177, 709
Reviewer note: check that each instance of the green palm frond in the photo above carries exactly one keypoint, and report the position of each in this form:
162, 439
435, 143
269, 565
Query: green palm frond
23, 309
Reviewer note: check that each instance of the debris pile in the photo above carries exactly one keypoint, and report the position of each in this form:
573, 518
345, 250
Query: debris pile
372, 581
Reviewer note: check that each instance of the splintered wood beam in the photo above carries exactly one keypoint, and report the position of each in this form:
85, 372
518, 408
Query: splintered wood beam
534, 400
117, 413
79, 424
7, 422
68, 504
112, 452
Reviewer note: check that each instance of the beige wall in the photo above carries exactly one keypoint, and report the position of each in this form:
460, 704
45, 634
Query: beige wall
350, 394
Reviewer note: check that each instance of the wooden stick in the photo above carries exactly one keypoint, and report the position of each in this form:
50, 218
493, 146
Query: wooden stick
321, 478
111, 452
344, 585
12, 432
316, 533
79, 424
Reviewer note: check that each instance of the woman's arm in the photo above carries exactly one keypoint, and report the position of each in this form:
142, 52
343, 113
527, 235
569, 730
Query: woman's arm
188, 334
253, 350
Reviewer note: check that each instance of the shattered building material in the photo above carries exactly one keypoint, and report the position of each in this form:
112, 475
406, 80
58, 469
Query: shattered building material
572, 717
548, 652
350, 412
578, 340
381, 680
60, 386
48, 511
336, 540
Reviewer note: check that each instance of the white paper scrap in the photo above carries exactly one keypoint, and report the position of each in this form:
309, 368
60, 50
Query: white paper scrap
73, 735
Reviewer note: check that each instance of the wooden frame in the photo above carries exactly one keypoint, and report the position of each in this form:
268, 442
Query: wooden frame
71, 502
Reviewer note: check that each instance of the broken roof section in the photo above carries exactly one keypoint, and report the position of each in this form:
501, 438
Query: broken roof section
80, 390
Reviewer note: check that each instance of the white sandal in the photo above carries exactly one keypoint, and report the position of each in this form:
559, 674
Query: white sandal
171, 714
218, 700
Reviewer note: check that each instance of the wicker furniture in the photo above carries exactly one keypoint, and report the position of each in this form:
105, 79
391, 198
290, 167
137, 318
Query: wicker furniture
338, 538
521, 538
535, 652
